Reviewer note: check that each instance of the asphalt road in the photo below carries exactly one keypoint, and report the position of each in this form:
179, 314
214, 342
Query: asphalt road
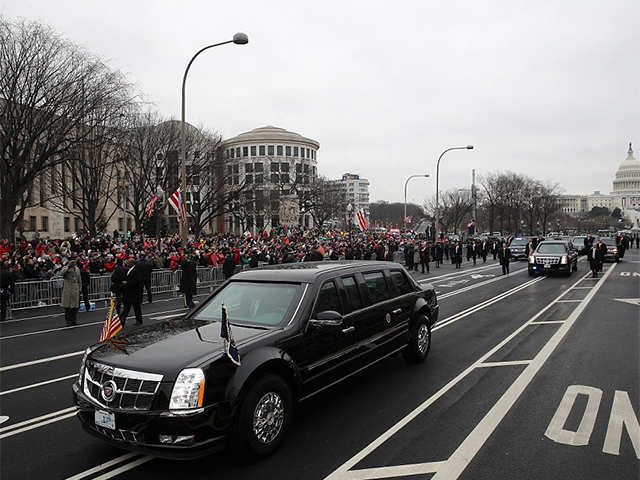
526, 378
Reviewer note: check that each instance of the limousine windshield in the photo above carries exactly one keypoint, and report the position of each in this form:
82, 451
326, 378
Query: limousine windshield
252, 303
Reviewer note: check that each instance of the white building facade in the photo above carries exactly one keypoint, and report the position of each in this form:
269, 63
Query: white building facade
357, 191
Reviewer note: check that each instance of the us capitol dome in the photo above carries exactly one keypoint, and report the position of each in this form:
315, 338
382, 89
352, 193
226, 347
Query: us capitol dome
626, 185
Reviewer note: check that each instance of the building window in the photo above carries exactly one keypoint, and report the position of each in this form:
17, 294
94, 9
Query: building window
295, 151
129, 224
287, 150
236, 168
261, 148
284, 177
308, 153
284, 167
248, 167
275, 167
279, 150
259, 179
253, 150
44, 223
306, 168
67, 224
248, 178
238, 152
275, 178
313, 155
258, 167
76, 222
245, 151
298, 168
233, 153
236, 180
32, 223
270, 150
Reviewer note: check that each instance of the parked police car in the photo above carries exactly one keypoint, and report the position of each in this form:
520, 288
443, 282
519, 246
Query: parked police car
174, 391
553, 256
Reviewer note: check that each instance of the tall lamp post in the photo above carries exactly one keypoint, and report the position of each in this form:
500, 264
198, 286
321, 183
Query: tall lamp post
468, 147
404, 219
238, 39
349, 210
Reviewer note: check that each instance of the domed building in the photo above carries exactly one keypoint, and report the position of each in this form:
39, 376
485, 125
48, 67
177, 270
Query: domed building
626, 185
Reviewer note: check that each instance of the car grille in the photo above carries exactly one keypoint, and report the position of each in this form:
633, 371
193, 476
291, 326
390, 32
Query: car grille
120, 434
547, 260
134, 390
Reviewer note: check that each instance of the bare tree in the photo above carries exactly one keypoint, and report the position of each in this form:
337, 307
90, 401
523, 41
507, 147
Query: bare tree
52, 95
454, 207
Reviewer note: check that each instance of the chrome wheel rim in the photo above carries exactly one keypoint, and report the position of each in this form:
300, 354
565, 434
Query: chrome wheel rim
423, 338
268, 417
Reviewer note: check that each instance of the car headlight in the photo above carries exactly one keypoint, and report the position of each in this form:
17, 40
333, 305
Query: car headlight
564, 260
188, 391
532, 259
614, 250
83, 364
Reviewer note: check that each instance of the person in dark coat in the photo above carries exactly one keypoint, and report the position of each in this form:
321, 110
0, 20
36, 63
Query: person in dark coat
189, 281
228, 267
595, 256
457, 255
438, 250
133, 291
145, 269
118, 276
253, 261
504, 255
85, 279
424, 257
408, 256
7, 284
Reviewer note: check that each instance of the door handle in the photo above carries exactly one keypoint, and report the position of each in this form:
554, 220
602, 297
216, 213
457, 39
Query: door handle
397, 311
348, 329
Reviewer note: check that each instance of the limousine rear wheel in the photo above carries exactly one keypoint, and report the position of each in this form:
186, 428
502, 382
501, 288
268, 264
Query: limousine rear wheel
264, 416
419, 341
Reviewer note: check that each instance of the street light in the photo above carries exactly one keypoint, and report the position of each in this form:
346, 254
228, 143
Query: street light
468, 147
349, 209
404, 219
238, 39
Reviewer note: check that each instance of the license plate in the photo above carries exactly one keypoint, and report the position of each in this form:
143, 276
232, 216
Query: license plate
546, 265
105, 419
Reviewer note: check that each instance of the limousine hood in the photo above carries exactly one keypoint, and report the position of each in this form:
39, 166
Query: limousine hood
168, 347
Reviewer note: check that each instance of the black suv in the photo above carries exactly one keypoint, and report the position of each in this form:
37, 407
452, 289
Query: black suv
172, 390
553, 256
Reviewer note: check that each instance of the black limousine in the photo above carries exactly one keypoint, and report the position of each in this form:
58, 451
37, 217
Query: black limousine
173, 391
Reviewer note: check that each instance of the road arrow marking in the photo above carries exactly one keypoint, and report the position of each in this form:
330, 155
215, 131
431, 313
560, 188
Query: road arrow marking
3, 419
479, 275
631, 301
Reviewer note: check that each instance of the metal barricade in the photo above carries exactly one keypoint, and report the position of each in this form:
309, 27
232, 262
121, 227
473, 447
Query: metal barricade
99, 287
35, 294
163, 281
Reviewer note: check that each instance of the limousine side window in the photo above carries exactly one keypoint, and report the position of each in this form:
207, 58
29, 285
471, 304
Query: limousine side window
401, 282
354, 301
376, 286
328, 299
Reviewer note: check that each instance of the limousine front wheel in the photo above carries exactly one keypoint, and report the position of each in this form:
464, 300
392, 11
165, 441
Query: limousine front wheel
419, 341
264, 416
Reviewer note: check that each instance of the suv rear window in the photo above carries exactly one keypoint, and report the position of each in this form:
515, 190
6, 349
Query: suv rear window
401, 282
376, 286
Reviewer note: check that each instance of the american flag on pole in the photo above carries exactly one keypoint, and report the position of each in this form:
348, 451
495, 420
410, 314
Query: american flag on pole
229, 342
361, 220
112, 325
177, 202
151, 205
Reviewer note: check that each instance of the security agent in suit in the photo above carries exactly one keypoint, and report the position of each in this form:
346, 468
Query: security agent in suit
188, 281
118, 276
7, 283
457, 255
146, 268
595, 255
133, 290
504, 255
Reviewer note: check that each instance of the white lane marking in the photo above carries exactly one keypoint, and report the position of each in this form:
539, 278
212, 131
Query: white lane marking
124, 468
3, 418
165, 317
36, 419
478, 285
459, 274
103, 466
59, 329
37, 425
622, 413
546, 322
395, 471
570, 301
465, 313
583, 288
34, 385
556, 431
41, 360
504, 364
344, 472
468, 449
631, 301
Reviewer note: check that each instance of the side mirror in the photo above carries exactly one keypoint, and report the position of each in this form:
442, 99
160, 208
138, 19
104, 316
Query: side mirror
328, 318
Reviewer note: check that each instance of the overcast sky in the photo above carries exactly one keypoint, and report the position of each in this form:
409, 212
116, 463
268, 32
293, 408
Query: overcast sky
545, 88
